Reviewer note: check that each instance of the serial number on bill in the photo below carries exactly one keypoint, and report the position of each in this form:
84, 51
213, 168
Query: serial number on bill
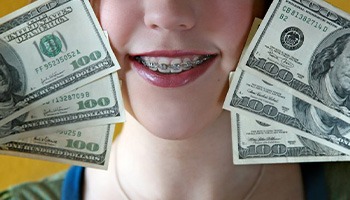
288, 11
69, 97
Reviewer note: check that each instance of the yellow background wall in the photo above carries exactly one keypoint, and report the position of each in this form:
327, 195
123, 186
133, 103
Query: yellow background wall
343, 4
15, 170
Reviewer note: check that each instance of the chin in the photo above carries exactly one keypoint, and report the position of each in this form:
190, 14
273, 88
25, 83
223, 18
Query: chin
173, 133
177, 113
181, 129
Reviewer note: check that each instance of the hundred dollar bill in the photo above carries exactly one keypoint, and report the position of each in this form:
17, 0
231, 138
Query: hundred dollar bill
94, 104
271, 104
257, 142
88, 147
49, 48
303, 47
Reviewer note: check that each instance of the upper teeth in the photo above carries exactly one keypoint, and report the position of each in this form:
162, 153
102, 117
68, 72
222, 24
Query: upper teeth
171, 65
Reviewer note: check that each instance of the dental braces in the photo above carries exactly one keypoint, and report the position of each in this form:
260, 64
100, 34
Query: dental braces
173, 68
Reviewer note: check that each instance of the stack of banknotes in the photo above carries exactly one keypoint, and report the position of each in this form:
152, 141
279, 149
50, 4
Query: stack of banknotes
290, 95
59, 92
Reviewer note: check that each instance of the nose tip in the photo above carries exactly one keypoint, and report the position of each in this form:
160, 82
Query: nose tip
169, 17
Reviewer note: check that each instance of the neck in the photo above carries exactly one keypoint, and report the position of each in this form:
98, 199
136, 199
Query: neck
200, 167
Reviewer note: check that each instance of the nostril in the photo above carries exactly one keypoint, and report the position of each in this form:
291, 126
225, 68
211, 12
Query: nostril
184, 26
169, 17
154, 26
170, 25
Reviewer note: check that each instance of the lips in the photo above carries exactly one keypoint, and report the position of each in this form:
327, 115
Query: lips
170, 70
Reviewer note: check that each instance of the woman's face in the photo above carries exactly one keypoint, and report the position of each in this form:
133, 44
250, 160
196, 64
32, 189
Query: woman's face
175, 57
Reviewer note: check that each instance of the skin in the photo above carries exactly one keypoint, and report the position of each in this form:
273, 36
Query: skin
177, 25
176, 142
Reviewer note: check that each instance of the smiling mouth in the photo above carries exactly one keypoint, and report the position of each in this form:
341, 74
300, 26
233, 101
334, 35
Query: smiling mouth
167, 65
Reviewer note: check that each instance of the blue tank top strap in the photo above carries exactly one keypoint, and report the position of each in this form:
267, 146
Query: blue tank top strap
73, 184
314, 180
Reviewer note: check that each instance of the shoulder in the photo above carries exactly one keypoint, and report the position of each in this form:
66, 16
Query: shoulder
48, 188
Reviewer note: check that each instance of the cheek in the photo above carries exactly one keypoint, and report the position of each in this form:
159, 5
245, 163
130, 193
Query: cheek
119, 27
116, 18
234, 27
